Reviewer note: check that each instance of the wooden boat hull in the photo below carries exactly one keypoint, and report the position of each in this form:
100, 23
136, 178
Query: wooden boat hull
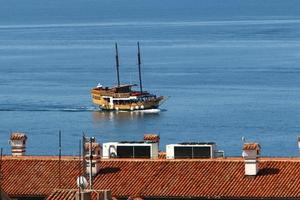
128, 106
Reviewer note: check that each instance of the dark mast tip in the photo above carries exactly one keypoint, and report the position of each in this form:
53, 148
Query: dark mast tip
117, 64
139, 65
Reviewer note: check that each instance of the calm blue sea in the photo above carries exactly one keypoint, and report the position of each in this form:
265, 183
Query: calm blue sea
231, 69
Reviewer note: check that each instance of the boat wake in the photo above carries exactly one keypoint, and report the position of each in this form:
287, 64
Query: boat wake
31, 108
51, 109
149, 111
81, 109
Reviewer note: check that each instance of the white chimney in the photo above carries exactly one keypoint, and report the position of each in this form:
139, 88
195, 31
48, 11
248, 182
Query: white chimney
93, 159
299, 142
251, 152
18, 144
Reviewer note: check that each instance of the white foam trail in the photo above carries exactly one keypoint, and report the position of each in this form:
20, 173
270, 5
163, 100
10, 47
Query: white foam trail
53, 47
51, 109
80, 109
149, 111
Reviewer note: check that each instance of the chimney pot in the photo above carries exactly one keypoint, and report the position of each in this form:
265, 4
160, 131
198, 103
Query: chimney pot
251, 152
18, 143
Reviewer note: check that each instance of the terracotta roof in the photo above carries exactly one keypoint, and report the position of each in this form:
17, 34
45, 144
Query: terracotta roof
189, 178
37, 176
151, 137
18, 136
162, 155
62, 194
251, 146
70, 194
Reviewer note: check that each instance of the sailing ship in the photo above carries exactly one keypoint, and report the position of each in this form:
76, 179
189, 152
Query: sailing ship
122, 96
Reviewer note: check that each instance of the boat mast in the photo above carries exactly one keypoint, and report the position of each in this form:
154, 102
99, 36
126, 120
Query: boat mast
117, 64
139, 64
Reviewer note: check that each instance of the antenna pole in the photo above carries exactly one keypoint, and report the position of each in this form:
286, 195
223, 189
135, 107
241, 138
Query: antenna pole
83, 154
139, 64
117, 64
79, 168
90, 152
59, 158
1, 153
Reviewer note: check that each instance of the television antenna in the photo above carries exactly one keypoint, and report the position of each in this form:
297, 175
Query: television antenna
82, 183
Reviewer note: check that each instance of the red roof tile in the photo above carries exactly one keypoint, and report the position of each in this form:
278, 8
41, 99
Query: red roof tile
251, 146
208, 178
162, 155
71, 194
151, 137
30, 176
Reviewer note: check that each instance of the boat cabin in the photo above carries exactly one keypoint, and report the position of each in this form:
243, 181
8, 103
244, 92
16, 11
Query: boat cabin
123, 88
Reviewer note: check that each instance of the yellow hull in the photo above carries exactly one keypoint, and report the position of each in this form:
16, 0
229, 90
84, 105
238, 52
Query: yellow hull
141, 105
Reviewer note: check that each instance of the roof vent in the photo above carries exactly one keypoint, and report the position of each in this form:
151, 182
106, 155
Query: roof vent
18, 144
251, 152
190, 150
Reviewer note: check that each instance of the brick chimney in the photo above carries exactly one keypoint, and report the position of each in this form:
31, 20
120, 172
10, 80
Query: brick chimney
251, 152
94, 158
18, 144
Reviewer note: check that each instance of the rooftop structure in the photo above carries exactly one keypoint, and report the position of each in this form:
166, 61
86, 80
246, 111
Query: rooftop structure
72, 194
18, 143
218, 178
246, 177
